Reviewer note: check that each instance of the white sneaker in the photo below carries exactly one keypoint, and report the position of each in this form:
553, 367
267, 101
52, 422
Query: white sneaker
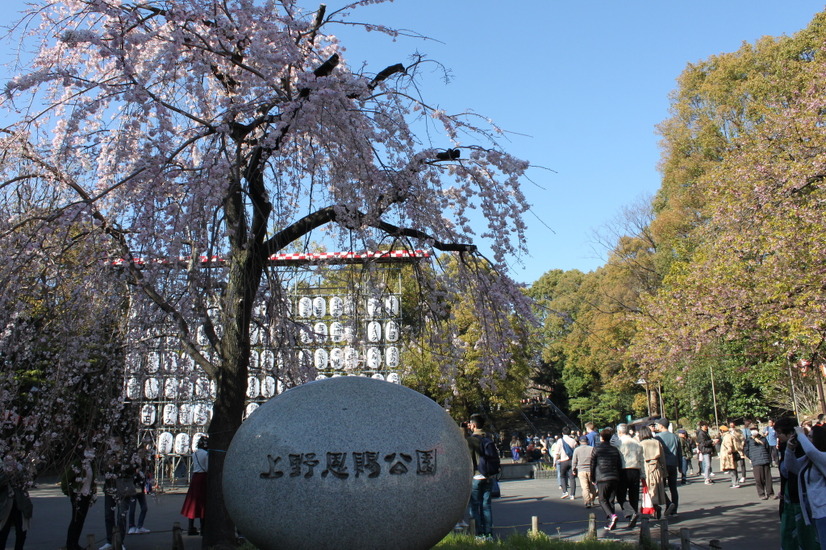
564, 495
742, 480
107, 546
142, 530
133, 531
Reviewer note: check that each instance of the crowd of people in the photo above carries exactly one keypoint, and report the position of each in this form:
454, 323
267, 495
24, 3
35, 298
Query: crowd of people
635, 469
126, 476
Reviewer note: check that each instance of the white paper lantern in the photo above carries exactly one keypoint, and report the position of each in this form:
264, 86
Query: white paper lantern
373, 307
336, 358
336, 306
148, 415
170, 414
391, 357
253, 387
267, 360
319, 307
165, 443
171, 362
305, 307
320, 358
182, 444
170, 388
133, 388
391, 331
153, 362
185, 414
201, 387
151, 388
185, 388
268, 387
201, 414
373, 331
391, 305
373, 358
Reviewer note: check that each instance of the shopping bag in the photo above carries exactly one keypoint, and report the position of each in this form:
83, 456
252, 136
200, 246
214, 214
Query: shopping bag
646, 506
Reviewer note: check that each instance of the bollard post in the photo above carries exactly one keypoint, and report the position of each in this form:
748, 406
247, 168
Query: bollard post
534, 526
664, 533
472, 527
90, 542
116, 540
715, 545
645, 532
685, 539
592, 526
177, 536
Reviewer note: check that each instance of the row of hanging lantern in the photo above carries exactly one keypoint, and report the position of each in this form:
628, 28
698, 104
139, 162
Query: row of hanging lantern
337, 306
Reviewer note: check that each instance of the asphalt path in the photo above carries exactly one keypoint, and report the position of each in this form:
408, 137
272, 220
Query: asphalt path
735, 517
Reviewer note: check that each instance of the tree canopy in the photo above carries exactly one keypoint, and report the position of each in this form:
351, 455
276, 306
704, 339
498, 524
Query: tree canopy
234, 129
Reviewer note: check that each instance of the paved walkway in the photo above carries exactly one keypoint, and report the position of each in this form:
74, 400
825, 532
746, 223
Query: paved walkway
735, 517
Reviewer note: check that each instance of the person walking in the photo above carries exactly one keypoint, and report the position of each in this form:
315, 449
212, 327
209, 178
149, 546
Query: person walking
78, 483
672, 452
731, 448
606, 465
480, 493
705, 450
632, 462
759, 453
655, 472
564, 456
195, 500
741, 438
581, 468
686, 454
142, 474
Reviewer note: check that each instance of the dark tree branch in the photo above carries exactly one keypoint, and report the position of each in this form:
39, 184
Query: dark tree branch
329, 214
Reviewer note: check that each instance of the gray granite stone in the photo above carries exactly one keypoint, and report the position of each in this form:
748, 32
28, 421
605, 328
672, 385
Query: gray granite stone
347, 463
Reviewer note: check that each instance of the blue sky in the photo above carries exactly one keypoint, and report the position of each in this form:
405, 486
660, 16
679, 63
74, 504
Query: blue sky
581, 84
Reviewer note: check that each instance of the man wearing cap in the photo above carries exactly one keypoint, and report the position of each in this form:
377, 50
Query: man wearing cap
480, 507
671, 449
581, 468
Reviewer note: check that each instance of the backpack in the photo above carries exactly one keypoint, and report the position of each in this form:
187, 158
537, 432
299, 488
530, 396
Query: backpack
487, 461
567, 448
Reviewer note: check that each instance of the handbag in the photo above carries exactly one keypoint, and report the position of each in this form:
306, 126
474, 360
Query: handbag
495, 492
646, 506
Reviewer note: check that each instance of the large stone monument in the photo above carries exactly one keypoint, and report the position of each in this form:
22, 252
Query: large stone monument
347, 463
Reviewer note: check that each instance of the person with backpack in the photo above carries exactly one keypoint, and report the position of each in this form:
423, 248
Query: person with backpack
565, 452
486, 465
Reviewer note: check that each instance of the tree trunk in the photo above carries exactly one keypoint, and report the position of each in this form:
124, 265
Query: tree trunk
244, 276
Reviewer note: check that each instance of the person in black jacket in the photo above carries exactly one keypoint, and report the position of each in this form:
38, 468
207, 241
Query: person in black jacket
758, 451
705, 448
606, 466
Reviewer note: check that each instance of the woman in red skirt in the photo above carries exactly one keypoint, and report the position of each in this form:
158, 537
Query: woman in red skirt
195, 501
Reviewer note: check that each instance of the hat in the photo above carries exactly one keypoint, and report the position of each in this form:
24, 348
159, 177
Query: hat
662, 422
681, 431
583, 438
723, 428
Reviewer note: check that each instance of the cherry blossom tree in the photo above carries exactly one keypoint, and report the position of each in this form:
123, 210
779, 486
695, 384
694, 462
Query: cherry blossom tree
179, 129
